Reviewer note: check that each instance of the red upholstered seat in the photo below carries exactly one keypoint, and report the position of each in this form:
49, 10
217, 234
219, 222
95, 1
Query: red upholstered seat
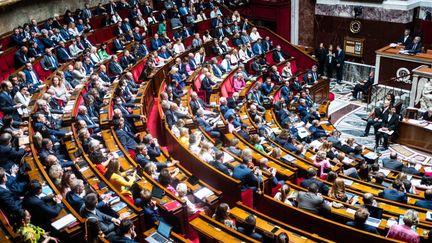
42, 73
275, 189
247, 198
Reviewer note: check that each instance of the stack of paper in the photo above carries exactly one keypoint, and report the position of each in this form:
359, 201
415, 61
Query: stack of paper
202, 193
64, 221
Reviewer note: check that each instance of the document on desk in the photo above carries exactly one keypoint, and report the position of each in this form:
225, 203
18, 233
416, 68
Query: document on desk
388, 132
371, 155
64, 221
227, 158
202, 193
384, 171
302, 132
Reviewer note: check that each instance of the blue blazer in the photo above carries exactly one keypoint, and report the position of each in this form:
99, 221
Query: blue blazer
10, 203
246, 176
221, 167
126, 139
41, 209
424, 204
393, 195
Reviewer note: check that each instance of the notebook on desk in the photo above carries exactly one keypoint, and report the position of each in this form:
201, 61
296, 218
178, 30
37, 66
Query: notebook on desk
161, 235
63, 222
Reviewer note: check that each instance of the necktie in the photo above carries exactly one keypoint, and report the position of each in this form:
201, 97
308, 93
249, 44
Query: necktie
218, 71
229, 66
414, 47
53, 63
35, 80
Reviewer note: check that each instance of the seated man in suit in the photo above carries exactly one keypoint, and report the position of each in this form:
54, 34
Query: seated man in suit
406, 39
393, 163
304, 111
360, 217
316, 130
389, 124
114, 66
21, 57
427, 201
7, 104
8, 154
208, 127
395, 193
43, 209
312, 202
10, 201
146, 202
278, 55
250, 179
92, 122
106, 222
427, 116
218, 163
126, 232
126, 138
197, 103
249, 228
49, 60
363, 86
207, 84
416, 46
311, 178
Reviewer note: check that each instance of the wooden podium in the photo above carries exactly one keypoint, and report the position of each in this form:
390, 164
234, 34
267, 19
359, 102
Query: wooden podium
390, 63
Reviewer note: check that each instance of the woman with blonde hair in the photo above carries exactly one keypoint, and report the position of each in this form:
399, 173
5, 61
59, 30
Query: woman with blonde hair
121, 181
404, 232
337, 191
283, 194
184, 136
94, 55
79, 72
322, 161
200, 56
327, 147
286, 71
206, 152
59, 89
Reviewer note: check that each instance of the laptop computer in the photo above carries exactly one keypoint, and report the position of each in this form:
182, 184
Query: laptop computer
161, 235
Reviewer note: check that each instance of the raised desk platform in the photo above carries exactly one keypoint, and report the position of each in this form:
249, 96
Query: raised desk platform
416, 134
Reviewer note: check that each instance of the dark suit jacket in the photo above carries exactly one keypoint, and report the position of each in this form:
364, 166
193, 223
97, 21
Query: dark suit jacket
323, 188
126, 139
10, 203
220, 167
393, 164
363, 227
406, 42
42, 209
393, 195
194, 105
424, 204
9, 156
20, 59
74, 200
391, 124
246, 176
122, 239
276, 56
105, 223
115, 69
48, 64
414, 49
253, 235
6, 105
312, 203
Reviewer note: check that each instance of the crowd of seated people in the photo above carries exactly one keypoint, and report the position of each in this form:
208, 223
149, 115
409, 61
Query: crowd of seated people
23, 199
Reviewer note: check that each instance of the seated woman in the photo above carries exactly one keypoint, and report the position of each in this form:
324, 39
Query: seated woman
206, 153
182, 194
239, 82
30, 233
67, 180
256, 141
165, 179
184, 136
100, 159
121, 181
404, 232
55, 172
337, 191
322, 162
221, 215
286, 71
283, 195
328, 148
